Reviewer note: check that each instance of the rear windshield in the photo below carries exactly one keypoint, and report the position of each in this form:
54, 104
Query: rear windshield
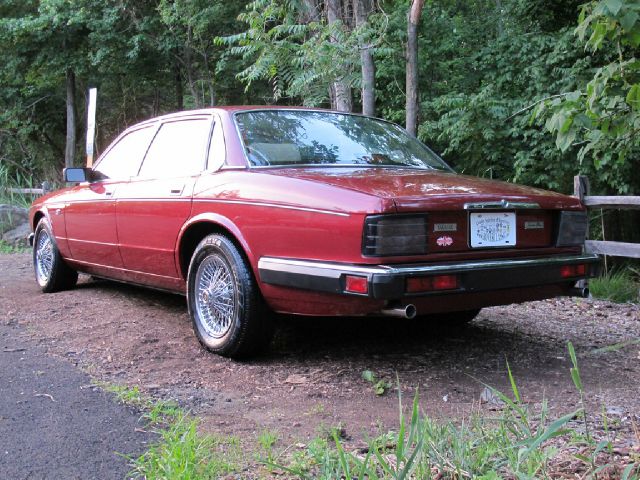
312, 138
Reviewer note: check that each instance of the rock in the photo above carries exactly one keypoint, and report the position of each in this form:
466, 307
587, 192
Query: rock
12, 217
488, 396
17, 237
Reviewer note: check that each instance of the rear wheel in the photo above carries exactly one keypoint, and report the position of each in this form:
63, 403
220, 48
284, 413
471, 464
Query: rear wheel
52, 273
228, 313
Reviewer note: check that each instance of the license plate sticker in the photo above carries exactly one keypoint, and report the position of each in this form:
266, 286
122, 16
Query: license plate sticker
493, 229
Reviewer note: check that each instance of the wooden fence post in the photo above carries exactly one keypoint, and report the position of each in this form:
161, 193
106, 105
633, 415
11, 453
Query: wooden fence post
581, 190
581, 186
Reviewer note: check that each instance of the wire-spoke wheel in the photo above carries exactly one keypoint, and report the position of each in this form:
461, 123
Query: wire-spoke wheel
52, 273
216, 295
227, 310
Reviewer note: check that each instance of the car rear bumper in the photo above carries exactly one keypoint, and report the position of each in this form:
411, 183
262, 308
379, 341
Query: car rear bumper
389, 282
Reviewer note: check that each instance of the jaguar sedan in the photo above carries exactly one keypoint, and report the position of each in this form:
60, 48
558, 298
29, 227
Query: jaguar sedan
250, 210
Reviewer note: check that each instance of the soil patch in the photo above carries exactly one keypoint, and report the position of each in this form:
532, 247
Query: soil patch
312, 377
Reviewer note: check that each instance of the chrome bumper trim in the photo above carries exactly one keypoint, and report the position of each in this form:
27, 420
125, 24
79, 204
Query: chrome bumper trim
388, 281
334, 270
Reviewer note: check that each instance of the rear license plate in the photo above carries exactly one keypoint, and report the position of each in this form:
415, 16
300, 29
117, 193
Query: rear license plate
493, 229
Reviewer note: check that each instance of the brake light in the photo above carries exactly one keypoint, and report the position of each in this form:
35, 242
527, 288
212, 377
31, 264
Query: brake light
356, 284
427, 284
568, 271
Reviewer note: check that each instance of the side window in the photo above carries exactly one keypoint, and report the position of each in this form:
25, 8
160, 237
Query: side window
123, 159
217, 153
178, 149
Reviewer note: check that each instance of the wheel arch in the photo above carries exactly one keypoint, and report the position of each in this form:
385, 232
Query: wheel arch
37, 216
199, 227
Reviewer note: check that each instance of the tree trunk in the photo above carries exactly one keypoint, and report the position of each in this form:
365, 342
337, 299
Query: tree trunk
178, 86
188, 68
342, 92
70, 148
411, 122
362, 9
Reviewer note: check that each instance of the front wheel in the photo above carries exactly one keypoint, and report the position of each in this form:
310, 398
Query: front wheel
228, 314
52, 273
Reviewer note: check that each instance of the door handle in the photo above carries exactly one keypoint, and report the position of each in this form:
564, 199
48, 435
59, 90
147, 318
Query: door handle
176, 190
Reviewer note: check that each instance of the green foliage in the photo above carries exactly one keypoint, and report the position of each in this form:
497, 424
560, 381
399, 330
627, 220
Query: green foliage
6, 248
380, 386
145, 58
619, 286
183, 453
603, 116
290, 45
517, 443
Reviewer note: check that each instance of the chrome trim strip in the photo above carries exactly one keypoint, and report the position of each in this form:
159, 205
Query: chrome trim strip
92, 242
126, 270
275, 205
500, 204
335, 270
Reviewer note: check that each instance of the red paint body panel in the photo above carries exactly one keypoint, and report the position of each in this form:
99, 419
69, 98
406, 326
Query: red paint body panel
132, 231
149, 218
90, 219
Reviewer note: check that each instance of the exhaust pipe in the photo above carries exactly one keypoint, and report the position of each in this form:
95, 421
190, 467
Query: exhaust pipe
579, 292
408, 311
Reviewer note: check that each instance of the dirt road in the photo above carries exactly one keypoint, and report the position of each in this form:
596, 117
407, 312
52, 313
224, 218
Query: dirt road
312, 377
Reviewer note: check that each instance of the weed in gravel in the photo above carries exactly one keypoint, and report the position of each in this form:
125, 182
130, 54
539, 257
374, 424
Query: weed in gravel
380, 386
124, 393
183, 453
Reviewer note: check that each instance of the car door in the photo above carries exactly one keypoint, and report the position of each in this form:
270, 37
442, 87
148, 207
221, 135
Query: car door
152, 208
90, 210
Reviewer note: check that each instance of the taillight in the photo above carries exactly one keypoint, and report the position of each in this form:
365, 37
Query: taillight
395, 235
431, 283
568, 271
356, 284
572, 229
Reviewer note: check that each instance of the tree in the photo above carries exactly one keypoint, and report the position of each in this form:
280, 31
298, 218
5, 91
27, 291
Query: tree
603, 116
413, 20
362, 9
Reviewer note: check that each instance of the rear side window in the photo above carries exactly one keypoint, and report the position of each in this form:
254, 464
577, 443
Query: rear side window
178, 149
123, 159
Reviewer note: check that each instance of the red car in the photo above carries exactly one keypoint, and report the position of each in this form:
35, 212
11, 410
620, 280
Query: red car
310, 212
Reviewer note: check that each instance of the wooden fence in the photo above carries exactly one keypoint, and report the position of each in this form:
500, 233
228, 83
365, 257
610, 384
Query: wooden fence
602, 247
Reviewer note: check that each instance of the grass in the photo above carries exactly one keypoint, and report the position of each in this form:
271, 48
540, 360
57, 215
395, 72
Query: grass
6, 248
619, 287
519, 442
182, 452
17, 181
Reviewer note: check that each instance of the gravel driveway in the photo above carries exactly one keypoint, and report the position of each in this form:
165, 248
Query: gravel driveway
312, 377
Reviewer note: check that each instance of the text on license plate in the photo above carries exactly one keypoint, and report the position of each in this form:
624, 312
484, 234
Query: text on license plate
492, 229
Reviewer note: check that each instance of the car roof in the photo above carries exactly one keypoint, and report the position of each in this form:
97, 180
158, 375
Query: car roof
229, 109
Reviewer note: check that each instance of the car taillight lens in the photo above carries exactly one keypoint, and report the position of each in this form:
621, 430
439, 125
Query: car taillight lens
568, 271
393, 235
356, 284
572, 229
427, 284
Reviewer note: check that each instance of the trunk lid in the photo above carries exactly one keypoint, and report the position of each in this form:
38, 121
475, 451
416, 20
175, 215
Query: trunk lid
415, 190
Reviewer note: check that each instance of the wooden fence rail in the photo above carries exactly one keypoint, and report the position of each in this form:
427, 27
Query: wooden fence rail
26, 191
605, 247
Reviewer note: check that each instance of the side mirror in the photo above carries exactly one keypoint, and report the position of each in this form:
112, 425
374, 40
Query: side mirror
77, 174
